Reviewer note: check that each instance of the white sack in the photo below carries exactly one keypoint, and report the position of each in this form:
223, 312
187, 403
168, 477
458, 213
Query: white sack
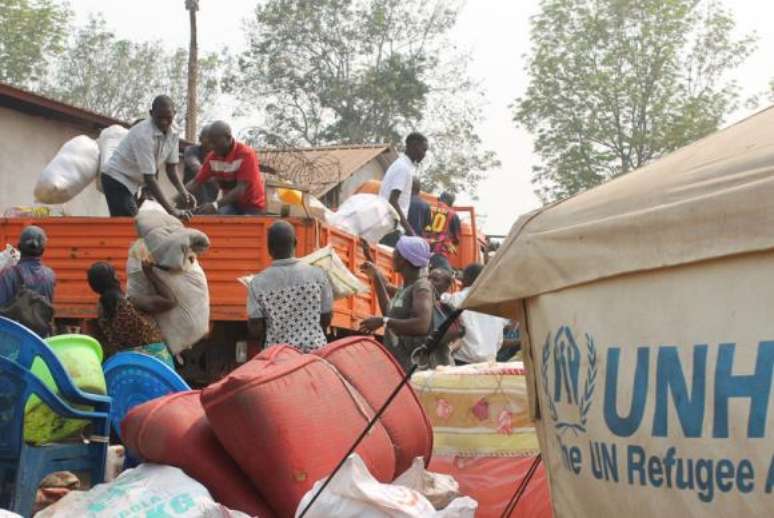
151, 205
343, 282
441, 490
355, 493
148, 490
188, 322
114, 463
168, 241
8, 257
366, 215
108, 141
73, 168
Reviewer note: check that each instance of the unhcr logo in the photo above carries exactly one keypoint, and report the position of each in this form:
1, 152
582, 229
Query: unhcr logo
568, 395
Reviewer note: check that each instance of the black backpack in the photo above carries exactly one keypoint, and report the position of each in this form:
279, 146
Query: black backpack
29, 308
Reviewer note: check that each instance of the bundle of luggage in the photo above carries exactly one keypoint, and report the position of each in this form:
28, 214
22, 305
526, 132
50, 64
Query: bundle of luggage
76, 165
173, 248
260, 438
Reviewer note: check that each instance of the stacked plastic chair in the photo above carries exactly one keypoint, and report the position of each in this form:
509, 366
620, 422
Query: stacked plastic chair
23, 466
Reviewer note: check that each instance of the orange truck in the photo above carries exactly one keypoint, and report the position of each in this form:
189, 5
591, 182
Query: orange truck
238, 248
473, 243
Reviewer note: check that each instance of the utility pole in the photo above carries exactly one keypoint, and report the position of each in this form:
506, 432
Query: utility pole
193, 72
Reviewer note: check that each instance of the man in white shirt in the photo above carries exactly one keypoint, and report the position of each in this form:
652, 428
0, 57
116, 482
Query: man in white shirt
398, 180
483, 333
147, 147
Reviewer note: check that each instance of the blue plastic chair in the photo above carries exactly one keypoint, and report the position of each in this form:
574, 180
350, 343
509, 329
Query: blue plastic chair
22, 466
133, 379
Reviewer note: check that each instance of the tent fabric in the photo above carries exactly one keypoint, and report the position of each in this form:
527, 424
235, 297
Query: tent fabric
711, 199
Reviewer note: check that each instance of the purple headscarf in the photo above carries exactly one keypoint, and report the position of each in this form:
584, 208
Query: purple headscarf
415, 250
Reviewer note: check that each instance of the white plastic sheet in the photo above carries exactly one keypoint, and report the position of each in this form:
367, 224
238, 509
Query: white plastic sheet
355, 493
366, 215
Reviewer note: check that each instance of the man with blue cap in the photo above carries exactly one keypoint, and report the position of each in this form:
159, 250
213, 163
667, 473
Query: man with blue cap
32, 276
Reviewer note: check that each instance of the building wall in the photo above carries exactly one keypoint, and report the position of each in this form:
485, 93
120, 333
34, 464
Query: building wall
27, 145
371, 171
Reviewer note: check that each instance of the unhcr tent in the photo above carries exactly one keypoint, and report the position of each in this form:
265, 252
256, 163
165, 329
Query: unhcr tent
648, 309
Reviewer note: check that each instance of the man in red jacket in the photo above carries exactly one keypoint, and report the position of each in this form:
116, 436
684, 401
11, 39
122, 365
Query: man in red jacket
234, 166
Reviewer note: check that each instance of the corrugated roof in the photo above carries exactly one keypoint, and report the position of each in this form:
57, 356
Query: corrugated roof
323, 168
24, 101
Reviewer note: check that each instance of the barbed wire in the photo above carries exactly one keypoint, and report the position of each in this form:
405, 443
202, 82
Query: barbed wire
287, 161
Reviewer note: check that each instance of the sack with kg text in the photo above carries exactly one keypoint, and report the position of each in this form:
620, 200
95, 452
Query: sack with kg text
73, 168
147, 490
189, 321
108, 140
29, 308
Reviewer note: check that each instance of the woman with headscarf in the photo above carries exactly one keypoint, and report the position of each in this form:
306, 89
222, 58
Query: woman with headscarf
127, 323
408, 316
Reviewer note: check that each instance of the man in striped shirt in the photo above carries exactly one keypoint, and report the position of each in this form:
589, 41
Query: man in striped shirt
234, 166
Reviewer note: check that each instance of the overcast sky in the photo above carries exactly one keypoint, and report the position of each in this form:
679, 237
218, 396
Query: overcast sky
495, 30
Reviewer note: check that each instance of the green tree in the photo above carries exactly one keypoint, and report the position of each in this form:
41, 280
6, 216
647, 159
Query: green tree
31, 32
365, 71
117, 77
614, 84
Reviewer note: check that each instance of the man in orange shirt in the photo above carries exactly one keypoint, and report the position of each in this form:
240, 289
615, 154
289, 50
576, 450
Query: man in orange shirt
234, 166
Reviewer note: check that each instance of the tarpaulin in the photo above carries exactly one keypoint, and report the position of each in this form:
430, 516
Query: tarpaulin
492, 482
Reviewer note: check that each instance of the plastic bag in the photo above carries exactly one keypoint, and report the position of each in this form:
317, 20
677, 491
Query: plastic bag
441, 490
343, 282
148, 490
366, 215
355, 493
188, 322
8, 257
73, 168
114, 463
108, 140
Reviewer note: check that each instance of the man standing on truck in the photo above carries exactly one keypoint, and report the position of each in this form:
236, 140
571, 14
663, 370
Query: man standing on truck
444, 229
398, 181
290, 302
193, 158
27, 288
234, 166
137, 159
419, 210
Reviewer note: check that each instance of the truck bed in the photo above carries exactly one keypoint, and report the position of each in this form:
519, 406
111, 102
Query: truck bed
238, 248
